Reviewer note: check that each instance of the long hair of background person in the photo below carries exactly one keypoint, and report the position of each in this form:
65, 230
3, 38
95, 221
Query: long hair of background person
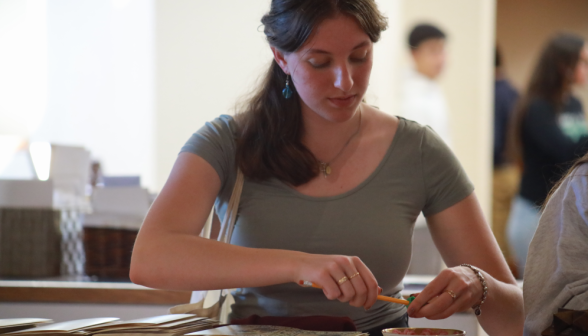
552, 80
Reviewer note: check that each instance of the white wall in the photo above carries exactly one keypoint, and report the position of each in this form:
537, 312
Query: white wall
23, 66
383, 81
23, 79
209, 53
101, 82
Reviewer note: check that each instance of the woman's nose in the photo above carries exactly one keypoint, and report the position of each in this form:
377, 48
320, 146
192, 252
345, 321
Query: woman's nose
343, 79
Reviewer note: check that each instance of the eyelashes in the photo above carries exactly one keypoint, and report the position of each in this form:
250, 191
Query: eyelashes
321, 65
359, 60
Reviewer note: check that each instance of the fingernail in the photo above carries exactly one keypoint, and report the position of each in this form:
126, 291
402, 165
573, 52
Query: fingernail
366, 309
379, 290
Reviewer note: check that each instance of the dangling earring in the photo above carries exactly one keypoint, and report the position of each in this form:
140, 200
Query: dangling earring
287, 92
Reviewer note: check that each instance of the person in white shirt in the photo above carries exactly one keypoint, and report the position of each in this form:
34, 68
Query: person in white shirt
422, 100
421, 97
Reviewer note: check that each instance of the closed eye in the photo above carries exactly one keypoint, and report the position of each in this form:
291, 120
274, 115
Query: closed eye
319, 65
359, 60
359, 57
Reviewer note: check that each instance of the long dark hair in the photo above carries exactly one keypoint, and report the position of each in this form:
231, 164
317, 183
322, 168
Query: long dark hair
270, 126
551, 81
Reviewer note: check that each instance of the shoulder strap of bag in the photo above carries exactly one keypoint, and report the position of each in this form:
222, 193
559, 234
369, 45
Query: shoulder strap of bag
228, 222
216, 311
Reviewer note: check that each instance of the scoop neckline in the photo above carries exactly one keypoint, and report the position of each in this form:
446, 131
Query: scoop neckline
360, 186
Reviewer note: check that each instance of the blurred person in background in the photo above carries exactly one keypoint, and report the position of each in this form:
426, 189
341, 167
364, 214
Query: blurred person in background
422, 100
549, 131
505, 176
421, 97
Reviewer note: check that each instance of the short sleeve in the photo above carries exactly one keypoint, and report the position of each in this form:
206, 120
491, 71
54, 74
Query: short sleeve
446, 183
215, 143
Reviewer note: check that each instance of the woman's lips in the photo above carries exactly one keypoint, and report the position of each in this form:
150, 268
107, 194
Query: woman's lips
343, 101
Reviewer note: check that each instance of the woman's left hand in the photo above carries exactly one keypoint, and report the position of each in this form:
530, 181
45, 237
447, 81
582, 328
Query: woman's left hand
454, 290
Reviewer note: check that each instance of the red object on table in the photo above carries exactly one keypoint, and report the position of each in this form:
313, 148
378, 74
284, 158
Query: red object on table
313, 323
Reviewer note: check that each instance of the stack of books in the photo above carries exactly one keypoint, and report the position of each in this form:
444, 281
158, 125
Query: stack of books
16, 324
164, 325
69, 328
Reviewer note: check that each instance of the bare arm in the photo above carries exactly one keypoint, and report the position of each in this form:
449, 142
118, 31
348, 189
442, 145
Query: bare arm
169, 254
462, 236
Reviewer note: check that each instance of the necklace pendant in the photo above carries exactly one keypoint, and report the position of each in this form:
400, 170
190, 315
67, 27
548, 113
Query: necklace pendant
325, 169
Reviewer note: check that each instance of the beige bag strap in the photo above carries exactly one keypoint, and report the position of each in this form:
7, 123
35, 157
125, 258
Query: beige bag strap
225, 234
228, 223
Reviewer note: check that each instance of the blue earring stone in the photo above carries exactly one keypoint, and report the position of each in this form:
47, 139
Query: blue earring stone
287, 92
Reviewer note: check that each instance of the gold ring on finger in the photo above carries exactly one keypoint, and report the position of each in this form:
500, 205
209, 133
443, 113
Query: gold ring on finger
452, 294
342, 280
354, 275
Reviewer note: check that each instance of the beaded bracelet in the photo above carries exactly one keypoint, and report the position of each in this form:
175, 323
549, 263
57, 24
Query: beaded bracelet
480, 276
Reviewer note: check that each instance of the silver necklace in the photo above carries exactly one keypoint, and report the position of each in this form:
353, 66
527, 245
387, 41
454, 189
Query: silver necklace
325, 167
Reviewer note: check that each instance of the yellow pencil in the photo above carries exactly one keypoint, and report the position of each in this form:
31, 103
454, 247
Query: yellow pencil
380, 297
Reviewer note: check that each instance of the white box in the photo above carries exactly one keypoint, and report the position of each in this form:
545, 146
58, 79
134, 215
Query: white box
26, 194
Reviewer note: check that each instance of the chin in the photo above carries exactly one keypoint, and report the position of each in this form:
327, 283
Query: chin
338, 114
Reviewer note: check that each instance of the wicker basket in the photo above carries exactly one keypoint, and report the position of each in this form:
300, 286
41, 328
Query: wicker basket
108, 252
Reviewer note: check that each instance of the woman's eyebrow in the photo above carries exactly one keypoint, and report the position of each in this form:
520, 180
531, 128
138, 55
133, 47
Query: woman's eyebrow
320, 51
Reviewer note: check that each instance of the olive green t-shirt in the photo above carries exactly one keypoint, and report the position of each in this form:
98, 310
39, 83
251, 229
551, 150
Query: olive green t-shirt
373, 221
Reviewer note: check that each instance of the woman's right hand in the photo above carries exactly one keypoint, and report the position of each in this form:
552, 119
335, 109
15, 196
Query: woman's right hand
330, 271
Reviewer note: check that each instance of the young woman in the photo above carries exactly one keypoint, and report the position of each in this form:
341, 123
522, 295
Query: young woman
556, 275
332, 189
549, 132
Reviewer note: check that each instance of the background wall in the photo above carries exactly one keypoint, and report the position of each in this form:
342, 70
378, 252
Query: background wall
81, 73
522, 27
23, 74
23, 65
100, 82
209, 53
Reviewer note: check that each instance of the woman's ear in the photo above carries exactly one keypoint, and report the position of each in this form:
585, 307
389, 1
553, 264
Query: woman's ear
280, 59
